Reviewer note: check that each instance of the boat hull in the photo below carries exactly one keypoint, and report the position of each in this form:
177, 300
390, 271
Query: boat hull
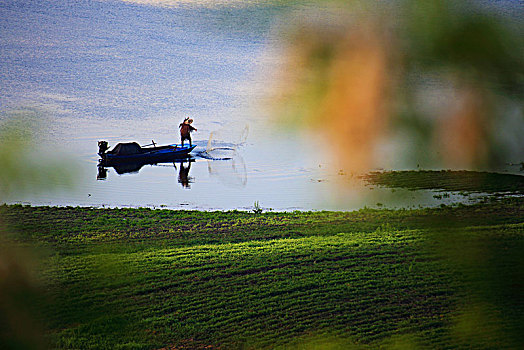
152, 154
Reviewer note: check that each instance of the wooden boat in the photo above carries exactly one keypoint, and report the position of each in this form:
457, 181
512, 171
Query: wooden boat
133, 152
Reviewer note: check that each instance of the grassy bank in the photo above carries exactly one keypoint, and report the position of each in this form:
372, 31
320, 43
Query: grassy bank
140, 278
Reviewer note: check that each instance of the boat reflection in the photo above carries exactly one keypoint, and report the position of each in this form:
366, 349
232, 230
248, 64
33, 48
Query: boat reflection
121, 168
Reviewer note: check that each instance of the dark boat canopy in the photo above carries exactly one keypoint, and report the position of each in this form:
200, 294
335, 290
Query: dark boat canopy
124, 149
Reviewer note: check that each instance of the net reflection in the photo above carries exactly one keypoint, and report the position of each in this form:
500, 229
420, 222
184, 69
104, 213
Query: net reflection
227, 166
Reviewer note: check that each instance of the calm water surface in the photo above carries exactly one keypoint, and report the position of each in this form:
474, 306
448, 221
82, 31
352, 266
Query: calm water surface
125, 71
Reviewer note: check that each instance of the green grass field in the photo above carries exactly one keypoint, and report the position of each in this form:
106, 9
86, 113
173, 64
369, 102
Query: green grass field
450, 277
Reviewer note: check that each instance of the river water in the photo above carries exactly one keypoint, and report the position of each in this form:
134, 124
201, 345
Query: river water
125, 71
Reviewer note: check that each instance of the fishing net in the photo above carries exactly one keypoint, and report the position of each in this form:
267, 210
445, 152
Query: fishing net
229, 136
227, 166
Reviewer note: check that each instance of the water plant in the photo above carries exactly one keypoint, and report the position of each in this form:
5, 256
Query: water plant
256, 208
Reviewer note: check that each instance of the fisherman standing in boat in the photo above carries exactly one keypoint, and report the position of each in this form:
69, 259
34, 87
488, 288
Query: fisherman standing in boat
185, 131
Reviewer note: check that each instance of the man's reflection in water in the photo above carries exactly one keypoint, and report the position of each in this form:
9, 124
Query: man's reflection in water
183, 175
102, 173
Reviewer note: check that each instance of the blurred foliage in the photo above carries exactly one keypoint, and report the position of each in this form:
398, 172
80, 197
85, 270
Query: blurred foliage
472, 43
20, 300
409, 84
491, 313
435, 83
23, 170
25, 166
